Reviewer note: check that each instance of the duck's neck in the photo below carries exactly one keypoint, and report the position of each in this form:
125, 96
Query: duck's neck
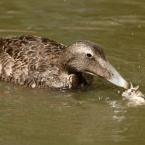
64, 66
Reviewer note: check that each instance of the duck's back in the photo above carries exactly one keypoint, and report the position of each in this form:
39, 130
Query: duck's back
29, 60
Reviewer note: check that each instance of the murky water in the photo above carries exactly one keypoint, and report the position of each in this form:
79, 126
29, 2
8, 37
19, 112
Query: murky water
98, 115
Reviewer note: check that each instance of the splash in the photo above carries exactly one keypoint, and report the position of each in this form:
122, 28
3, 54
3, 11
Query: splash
134, 96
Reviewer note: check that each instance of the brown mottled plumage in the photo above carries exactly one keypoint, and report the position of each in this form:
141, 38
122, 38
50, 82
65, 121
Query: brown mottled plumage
43, 63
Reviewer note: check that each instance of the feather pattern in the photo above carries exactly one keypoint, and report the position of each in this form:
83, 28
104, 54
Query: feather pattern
30, 61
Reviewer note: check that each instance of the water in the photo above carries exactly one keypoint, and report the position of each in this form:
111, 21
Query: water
98, 115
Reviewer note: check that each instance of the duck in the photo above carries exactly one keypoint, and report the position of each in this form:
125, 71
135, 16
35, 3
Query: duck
39, 62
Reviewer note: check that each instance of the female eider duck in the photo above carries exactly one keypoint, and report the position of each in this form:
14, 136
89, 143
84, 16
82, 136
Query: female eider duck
43, 63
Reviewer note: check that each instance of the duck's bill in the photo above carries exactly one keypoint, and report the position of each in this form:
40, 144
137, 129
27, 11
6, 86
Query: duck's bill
106, 70
115, 77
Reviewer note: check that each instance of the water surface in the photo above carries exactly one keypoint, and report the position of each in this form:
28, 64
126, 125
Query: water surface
97, 115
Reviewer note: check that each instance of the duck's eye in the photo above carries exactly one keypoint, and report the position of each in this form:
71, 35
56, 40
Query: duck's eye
89, 55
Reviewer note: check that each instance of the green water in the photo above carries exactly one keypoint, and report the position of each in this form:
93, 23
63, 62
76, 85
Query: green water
98, 115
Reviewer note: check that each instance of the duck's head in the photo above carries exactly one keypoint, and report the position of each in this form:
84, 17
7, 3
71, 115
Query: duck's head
88, 57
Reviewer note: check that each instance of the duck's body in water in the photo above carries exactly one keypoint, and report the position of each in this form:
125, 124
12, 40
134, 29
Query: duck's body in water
43, 63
